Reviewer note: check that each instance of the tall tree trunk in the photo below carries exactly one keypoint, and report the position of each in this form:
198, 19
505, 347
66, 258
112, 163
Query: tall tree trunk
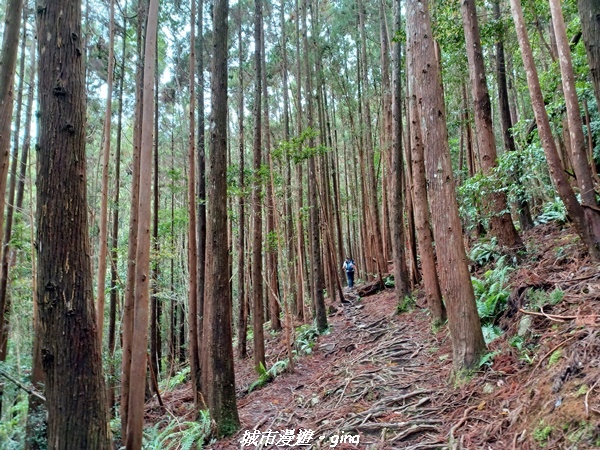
506, 120
193, 323
579, 158
387, 134
422, 217
271, 257
258, 314
289, 216
375, 235
465, 329
139, 342
501, 224
129, 302
155, 302
300, 266
71, 356
243, 303
103, 240
565, 192
8, 64
35, 407
589, 13
219, 381
5, 300
201, 269
114, 276
400, 268
316, 260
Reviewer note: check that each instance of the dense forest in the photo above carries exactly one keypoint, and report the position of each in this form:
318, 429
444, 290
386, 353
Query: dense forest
181, 184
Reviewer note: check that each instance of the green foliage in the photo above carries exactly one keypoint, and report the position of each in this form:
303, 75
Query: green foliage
539, 298
266, 376
179, 378
490, 332
542, 433
554, 357
297, 148
406, 304
487, 359
306, 337
491, 292
525, 350
484, 252
178, 435
554, 211
389, 281
12, 425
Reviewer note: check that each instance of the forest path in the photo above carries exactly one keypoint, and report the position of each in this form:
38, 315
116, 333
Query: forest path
376, 375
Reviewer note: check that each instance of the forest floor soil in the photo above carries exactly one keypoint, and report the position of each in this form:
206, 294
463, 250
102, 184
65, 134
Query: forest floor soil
387, 377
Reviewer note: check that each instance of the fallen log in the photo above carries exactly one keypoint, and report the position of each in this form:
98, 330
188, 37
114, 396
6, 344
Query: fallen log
370, 288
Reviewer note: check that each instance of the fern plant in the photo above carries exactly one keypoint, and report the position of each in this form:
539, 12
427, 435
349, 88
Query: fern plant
265, 376
491, 292
175, 435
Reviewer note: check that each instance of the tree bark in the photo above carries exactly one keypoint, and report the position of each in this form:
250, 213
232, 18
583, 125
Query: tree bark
559, 177
201, 223
8, 64
243, 304
129, 301
501, 224
315, 235
465, 329
589, 13
193, 323
578, 146
400, 268
522, 205
71, 356
219, 381
421, 211
142, 273
258, 314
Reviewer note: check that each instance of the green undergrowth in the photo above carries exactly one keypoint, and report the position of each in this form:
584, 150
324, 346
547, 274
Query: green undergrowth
178, 435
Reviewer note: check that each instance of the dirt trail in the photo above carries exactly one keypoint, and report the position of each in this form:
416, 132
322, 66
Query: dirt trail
376, 375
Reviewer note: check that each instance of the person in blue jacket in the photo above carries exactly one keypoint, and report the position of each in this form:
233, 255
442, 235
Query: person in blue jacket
349, 268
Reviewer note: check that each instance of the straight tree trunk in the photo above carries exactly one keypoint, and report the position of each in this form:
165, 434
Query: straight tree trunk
258, 314
316, 260
219, 381
506, 120
103, 240
71, 356
155, 302
201, 242
400, 268
139, 341
271, 257
574, 209
8, 64
114, 276
129, 302
243, 304
589, 13
501, 224
193, 323
578, 145
5, 300
465, 329
35, 407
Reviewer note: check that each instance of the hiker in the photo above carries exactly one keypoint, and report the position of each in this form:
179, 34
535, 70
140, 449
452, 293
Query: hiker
348, 266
